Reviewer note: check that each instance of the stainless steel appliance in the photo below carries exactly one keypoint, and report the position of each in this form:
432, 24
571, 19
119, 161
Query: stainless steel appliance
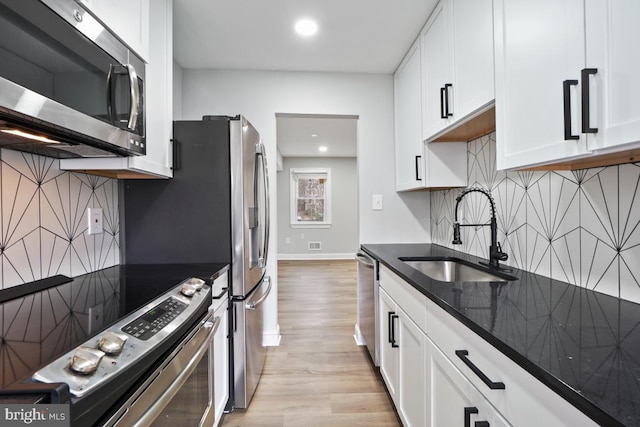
367, 294
215, 209
152, 361
68, 87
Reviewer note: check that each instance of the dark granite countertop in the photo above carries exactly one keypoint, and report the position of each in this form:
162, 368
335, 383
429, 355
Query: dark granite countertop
582, 344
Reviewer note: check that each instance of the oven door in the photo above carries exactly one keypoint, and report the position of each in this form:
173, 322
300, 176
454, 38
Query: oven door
180, 391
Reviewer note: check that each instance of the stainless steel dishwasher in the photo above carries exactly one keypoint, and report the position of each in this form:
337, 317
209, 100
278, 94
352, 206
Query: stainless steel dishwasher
367, 289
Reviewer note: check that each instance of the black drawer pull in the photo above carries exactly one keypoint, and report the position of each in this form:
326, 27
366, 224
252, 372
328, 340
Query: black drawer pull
394, 342
418, 168
467, 415
586, 98
462, 354
390, 326
482, 424
446, 100
566, 95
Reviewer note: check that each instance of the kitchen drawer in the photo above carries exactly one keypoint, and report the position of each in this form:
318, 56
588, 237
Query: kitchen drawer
525, 401
413, 303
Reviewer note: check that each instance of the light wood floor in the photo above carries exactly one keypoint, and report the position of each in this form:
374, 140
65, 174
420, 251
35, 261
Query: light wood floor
318, 376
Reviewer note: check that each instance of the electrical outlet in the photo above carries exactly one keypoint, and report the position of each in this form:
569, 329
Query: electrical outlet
96, 319
287, 240
301, 236
94, 218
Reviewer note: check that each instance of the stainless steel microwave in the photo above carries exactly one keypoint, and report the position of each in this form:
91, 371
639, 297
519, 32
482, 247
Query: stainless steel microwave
68, 86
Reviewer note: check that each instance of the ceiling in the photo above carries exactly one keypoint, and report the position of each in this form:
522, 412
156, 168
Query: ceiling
300, 135
354, 36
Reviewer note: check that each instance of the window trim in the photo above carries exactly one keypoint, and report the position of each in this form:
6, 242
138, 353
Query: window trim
294, 173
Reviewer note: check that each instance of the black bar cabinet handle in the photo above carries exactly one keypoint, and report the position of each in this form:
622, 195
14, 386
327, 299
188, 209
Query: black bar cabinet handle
417, 168
566, 95
446, 100
462, 354
482, 424
394, 342
390, 326
467, 415
586, 97
176, 155
443, 94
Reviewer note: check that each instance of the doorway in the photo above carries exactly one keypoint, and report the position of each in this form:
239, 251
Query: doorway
317, 186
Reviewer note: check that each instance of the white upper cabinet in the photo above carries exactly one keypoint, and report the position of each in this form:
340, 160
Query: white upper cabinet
128, 19
437, 46
158, 109
408, 122
612, 49
420, 165
457, 44
566, 79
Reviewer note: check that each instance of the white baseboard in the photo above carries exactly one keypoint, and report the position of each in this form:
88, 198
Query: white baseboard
357, 336
313, 257
271, 338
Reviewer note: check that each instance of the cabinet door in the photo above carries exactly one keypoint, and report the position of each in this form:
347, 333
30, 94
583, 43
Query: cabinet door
437, 49
128, 19
538, 46
221, 363
408, 122
413, 373
454, 400
473, 56
388, 350
612, 36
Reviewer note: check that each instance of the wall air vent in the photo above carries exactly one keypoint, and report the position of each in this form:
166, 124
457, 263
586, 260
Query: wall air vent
314, 246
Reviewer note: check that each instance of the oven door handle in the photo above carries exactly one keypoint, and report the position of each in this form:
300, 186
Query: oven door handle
166, 385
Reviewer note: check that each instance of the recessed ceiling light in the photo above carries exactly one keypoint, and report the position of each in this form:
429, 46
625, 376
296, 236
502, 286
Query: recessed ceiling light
306, 27
322, 148
314, 135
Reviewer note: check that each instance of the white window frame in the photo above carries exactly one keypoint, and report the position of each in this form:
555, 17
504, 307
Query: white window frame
294, 174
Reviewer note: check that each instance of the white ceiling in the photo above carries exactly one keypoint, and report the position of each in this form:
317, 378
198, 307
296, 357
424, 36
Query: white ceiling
363, 36
295, 135
354, 36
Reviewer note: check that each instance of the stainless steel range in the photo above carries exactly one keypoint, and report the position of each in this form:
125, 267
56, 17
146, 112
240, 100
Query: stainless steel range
156, 336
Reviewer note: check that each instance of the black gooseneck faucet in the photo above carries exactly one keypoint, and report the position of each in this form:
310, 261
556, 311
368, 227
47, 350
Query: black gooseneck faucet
495, 250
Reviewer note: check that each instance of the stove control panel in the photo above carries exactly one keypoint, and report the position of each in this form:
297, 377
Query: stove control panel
150, 323
110, 352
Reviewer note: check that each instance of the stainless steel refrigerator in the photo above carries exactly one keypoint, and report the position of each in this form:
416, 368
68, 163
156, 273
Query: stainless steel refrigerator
215, 209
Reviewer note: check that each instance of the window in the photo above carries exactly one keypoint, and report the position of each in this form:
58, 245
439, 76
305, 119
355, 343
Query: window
310, 198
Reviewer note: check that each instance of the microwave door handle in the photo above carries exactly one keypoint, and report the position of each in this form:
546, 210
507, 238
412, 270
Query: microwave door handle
110, 108
135, 96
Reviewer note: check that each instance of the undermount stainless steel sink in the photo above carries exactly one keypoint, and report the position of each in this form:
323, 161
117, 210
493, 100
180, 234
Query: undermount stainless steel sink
455, 270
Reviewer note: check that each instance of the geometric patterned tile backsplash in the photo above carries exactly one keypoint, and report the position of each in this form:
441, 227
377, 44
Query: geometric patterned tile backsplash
43, 220
581, 227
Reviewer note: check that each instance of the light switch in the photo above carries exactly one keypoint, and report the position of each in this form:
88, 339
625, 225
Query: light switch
377, 202
94, 216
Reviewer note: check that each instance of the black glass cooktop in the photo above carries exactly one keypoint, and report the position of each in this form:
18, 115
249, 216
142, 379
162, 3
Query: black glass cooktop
39, 327
583, 344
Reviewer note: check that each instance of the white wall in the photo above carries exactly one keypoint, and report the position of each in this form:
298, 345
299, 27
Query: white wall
340, 240
259, 95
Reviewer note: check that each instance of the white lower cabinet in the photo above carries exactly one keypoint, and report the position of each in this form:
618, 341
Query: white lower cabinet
403, 363
432, 386
221, 350
454, 400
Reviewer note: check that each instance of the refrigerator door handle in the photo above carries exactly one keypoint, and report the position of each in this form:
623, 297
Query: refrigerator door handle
260, 152
252, 305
